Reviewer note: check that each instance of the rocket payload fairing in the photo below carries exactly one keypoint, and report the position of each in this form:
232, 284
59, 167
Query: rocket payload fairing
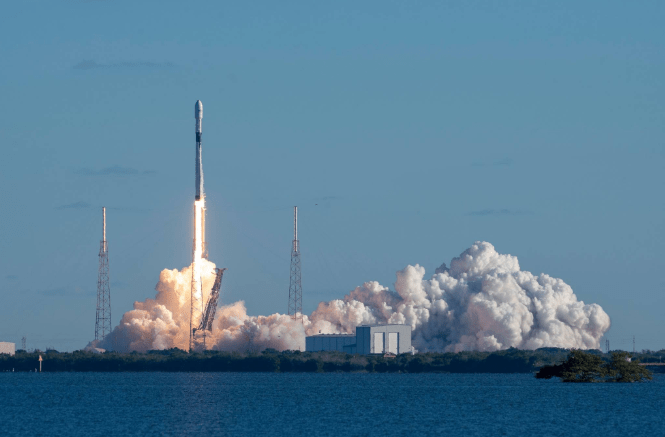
198, 114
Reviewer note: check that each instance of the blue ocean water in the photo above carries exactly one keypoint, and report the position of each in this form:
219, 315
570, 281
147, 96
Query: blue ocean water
258, 404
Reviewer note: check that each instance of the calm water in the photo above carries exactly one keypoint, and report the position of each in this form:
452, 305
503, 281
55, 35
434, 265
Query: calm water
146, 404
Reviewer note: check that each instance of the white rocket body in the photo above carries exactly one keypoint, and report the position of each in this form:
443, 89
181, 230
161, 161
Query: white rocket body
198, 114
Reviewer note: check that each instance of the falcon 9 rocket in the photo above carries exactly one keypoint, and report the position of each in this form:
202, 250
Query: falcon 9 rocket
199, 249
198, 114
199, 199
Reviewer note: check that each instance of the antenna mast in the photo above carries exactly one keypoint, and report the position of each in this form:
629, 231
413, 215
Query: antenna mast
295, 285
103, 319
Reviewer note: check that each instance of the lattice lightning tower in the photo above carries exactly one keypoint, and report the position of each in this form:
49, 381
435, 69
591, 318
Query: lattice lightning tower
295, 285
103, 319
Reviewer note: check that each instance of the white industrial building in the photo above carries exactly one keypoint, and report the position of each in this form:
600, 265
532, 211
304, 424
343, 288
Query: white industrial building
7, 348
369, 339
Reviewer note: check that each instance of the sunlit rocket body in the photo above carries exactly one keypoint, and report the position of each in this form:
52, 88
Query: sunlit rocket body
199, 199
198, 114
199, 249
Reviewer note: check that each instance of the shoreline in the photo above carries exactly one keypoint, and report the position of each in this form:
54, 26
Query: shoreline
176, 360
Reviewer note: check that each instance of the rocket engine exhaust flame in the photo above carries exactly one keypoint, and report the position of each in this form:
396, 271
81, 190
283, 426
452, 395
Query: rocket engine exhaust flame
483, 301
197, 301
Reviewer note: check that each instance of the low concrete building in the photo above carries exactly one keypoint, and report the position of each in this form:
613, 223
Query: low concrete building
329, 342
7, 348
369, 339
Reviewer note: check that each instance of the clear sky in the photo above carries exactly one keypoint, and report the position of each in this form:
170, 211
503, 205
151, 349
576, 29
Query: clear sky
404, 131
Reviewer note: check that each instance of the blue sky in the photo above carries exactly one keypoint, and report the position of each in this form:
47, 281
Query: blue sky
404, 133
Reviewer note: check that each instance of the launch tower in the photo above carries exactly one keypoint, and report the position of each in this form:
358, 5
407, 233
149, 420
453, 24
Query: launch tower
295, 286
208, 315
103, 319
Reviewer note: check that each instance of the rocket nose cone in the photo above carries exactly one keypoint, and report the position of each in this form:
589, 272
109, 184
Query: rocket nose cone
198, 109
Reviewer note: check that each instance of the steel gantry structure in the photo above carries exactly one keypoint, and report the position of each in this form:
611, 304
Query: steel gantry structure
103, 319
295, 283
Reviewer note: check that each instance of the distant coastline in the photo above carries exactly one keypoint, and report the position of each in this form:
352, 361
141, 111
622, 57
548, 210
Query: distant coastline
176, 360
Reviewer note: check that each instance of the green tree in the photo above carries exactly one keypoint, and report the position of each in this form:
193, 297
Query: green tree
583, 367
622, 369
548, 372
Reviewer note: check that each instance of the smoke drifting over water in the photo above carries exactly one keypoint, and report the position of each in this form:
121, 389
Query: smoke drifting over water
482, 302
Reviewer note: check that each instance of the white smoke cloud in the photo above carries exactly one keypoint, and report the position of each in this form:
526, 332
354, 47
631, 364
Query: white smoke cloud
234, 330
483, 302
163, 322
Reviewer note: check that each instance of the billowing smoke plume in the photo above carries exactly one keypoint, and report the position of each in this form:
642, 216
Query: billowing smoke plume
482, 302
163, 322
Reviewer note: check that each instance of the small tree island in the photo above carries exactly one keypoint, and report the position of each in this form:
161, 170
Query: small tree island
585, 367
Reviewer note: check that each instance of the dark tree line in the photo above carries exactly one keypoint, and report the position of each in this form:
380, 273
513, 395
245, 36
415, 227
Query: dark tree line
270, 360
176, 360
